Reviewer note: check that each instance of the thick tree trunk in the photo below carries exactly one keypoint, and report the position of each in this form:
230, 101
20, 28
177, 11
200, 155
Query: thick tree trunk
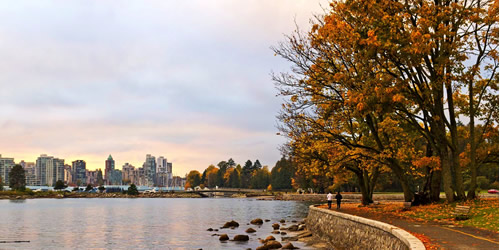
435, 185
364, 187
447, 176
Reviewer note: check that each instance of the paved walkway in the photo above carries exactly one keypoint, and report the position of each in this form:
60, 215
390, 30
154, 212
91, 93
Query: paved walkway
441, 236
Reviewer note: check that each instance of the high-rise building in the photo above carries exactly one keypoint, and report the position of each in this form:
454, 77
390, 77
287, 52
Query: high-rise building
79, 168
150, 170
48, 170
108, 170
29, 172
6, 165
68, 174
54, 171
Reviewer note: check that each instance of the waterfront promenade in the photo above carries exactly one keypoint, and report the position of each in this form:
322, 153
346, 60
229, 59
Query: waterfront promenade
434, 235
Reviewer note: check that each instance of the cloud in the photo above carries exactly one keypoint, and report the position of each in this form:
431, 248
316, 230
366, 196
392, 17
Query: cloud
185, 79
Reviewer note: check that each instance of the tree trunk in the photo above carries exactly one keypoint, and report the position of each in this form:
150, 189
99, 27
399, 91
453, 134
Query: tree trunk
436, 185
472, 140
366, 197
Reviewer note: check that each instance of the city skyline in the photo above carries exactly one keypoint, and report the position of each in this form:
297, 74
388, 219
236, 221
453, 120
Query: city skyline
188, 80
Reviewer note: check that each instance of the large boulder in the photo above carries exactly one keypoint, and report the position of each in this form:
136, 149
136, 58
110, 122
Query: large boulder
289, 246
241, 237
272, 244
231, 224
276, 232
223, 237
276, 226
257, 221
250, 230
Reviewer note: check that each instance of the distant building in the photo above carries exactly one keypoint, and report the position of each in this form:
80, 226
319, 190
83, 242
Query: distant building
178, 181
79, 171
48, 170
150, 170
68, 174
128, 174
108, 170
91, 177
6, 165
29, 172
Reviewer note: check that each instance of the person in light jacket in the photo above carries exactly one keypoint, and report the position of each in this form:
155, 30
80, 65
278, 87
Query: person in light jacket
329, 197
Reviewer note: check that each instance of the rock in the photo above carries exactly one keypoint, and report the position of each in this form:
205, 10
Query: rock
289, 246
257, 221
301, 227
282, 221
294, 221
231, 224
270, 237
210, 229
272, 244
250, 230
275, 232
293, 238
216, 230
283, 233
304, 234
276, 226
261, 248
241, 237
293, 228
223, 237
267, 220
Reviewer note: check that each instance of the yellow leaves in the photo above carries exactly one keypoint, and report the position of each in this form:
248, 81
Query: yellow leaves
397, 98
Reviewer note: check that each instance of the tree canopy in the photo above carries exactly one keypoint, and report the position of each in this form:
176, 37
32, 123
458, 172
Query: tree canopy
383, 86
17, 178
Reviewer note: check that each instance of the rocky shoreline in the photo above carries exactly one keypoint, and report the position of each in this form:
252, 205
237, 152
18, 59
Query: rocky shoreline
62, 195
280, 235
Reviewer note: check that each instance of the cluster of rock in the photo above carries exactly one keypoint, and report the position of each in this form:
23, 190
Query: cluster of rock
270, 242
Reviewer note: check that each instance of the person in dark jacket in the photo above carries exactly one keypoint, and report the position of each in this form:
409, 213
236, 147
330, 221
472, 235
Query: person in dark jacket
339, 199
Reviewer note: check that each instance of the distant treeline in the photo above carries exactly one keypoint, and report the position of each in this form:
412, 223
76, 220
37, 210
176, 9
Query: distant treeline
252, 175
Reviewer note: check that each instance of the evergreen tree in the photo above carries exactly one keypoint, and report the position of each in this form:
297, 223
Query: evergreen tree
132, 190
256, 166
59, 185
246, 174
282, 174
17, 178
100, 180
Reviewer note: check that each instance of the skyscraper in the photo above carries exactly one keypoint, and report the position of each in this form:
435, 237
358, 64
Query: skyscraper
108, 170
79, 168
6, 165
150, 170
48, 170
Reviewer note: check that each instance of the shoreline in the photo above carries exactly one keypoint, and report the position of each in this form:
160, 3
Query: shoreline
62, 195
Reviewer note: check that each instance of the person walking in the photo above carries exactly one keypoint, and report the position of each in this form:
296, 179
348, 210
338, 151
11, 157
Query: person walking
329, 197
339, 199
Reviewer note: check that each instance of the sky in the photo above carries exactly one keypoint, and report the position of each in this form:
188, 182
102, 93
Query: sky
187, 80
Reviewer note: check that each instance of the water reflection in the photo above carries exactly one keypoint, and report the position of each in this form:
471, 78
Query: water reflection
137, 223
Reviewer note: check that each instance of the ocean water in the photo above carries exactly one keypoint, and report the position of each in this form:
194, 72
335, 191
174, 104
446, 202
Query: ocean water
139, 223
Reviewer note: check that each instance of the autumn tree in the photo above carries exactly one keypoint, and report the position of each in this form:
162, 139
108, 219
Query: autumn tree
193, 179
371, 75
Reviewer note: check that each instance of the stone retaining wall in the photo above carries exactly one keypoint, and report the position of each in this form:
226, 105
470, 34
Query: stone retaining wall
346, 198
344, 231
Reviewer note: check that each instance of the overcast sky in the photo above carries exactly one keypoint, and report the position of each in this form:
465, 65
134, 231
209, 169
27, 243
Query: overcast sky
188, 80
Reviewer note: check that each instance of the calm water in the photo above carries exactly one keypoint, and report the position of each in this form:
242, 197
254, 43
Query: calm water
138, 223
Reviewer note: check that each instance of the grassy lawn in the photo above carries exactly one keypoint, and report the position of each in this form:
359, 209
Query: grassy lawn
483, 213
